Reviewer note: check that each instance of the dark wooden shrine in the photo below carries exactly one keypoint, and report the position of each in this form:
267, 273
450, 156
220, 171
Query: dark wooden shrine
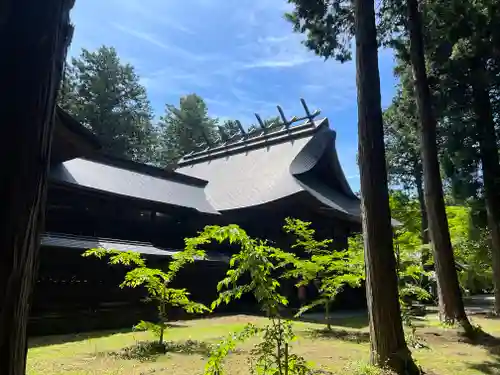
258, 179
95, 200
255, 180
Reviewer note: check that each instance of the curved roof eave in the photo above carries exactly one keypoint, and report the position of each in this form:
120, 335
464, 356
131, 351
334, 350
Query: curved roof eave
343, 201
320, 146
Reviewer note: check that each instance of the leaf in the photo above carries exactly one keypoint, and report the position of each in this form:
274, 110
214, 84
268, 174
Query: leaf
149, 326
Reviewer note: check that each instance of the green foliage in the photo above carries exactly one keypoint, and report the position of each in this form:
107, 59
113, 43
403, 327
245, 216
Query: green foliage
401, 136
461, 58
409, 253
106, 96
328, 25
262, 263
257, 259
304, 237
458, 153
330, 269
155, 329
469, 242
215, 365
185, 129
228, 129
126, 258
156, 282
272, 354
472, 250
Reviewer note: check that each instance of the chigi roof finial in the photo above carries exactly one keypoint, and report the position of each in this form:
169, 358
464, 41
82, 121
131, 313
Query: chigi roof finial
242, 130
283, 118
310, 117
259, 120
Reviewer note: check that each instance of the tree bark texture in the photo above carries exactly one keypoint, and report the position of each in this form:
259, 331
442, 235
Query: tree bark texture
450, 298
490, 164
388, 346
35, 36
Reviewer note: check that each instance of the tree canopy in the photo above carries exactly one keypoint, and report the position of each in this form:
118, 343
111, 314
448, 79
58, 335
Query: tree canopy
186, 128
106, 96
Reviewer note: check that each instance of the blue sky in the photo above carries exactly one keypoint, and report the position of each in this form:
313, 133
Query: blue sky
241, 56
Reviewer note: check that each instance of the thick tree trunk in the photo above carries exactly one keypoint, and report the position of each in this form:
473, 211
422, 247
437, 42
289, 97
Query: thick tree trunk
388, 346
450, 298
490, 165
35, 35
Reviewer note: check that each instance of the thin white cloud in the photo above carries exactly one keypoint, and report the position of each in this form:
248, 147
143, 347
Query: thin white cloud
153, 11
274, 39
146, 37
285, 62
155, 40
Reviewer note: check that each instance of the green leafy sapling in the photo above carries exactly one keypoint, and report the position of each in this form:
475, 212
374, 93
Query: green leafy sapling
260, 261
472, 249
215, 365
331, 270
156, 282
411, 254
263, 264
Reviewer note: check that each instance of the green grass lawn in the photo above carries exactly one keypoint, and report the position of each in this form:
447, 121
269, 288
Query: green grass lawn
345, 351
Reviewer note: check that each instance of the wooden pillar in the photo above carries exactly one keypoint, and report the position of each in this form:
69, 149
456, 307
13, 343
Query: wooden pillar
35, 36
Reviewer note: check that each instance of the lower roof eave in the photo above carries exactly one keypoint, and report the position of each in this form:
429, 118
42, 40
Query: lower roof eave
68, 241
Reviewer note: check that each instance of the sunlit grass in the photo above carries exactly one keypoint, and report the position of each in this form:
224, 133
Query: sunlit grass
344, 351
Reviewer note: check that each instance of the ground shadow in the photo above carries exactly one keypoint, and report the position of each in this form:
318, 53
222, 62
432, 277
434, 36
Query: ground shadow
356, 320
492, 344
40, 341
487, 367
149, 351
487, 315
339, 334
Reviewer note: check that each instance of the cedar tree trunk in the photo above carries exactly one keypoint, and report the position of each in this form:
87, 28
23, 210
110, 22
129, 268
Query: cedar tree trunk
34, 40
490, 165
450, 298
388, 346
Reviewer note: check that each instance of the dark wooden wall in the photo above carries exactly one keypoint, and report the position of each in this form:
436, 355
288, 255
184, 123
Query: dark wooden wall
79, 212
75, 294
